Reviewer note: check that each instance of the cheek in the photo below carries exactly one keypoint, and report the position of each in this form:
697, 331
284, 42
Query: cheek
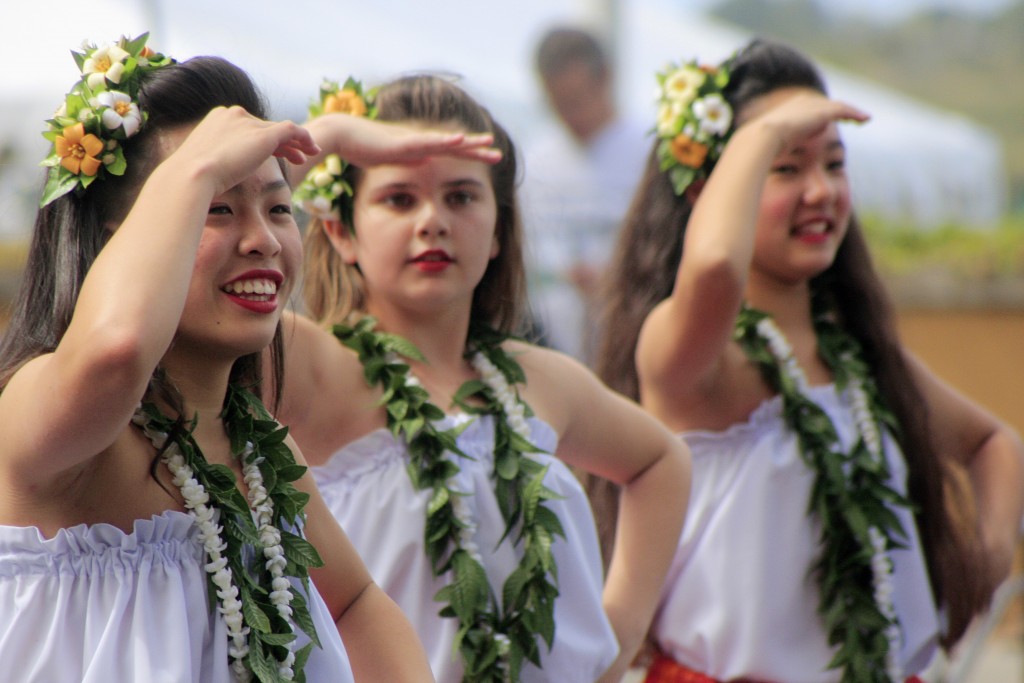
775, 211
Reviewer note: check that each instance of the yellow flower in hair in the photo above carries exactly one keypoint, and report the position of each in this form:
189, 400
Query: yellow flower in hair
345, 102
77, 150
682, 84
104, 64
688, 151
669, 118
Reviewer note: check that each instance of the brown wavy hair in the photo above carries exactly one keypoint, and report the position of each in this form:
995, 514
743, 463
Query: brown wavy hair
643, 274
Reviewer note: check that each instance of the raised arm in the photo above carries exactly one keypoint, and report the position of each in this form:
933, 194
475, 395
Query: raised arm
64, 407
683, 340
364, 142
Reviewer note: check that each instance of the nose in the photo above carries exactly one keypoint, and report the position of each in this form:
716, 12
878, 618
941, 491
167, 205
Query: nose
259, 237
820, 187
431, 220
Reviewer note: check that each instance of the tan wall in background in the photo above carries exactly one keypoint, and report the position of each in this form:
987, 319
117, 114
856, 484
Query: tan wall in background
980, 352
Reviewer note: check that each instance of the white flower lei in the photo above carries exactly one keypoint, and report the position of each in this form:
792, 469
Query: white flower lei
867, 426
206, 517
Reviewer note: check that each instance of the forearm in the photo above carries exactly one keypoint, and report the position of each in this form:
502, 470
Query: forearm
380, 641
652, 508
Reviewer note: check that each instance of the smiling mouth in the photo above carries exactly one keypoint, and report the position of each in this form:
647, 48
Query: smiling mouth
259, 289
815, 229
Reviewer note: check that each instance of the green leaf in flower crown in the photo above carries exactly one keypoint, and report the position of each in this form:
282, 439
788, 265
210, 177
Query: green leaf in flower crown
58, 183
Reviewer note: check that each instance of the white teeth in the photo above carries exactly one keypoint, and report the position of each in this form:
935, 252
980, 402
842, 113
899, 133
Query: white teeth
258, 288
813, 228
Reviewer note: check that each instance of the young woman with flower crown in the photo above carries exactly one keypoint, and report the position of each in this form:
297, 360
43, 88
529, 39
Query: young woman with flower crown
438, 440
154, 519
825, 540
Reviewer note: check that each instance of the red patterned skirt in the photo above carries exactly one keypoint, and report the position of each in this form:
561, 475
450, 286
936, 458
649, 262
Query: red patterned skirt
666, 670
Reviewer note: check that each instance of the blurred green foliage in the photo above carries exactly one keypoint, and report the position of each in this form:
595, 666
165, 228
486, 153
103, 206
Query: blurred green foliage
902, 248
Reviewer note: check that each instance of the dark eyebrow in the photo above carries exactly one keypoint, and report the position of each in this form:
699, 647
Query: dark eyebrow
263, 190
800, 150
464, 181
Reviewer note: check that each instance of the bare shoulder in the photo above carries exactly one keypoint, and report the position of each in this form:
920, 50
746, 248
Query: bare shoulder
325, 400
555, 382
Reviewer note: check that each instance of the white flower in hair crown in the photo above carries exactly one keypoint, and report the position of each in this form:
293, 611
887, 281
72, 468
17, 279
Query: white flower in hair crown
99, 113
325, 192
694, 120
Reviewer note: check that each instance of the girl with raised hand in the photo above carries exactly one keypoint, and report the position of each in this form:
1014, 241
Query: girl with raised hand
155, 519
441, 442
825, 539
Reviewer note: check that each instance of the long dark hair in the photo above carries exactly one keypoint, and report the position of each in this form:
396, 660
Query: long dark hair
333, 290
643, 274
70, 231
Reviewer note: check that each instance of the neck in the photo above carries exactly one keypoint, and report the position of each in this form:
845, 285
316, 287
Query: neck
202, 385
439, 335
788, 304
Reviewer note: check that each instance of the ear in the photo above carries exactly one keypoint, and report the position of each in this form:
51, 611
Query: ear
341, 238
693, 191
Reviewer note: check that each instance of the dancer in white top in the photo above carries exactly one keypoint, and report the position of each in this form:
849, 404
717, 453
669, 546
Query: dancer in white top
442, 443
154, 518
825, 539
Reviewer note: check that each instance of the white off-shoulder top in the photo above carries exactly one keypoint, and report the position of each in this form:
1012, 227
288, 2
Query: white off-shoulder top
739, 600
367, 487
94, 604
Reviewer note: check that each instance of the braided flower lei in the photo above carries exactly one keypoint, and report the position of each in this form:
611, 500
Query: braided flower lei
99, 113
495, 633
325, 192
694, 120
851, 497
260, 606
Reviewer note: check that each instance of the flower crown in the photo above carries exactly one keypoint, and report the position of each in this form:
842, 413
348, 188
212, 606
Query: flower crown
99, 113
324, 192
694, 120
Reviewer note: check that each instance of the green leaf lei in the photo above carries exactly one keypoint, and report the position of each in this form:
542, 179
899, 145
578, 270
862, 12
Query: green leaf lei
247, 422
851, 495
495, 634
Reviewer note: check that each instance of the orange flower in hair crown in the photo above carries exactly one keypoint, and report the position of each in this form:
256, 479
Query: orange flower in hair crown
694, 120
325, 192
99, 113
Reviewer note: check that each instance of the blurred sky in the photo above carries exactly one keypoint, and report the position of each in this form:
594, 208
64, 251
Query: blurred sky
289, 46
887, 9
